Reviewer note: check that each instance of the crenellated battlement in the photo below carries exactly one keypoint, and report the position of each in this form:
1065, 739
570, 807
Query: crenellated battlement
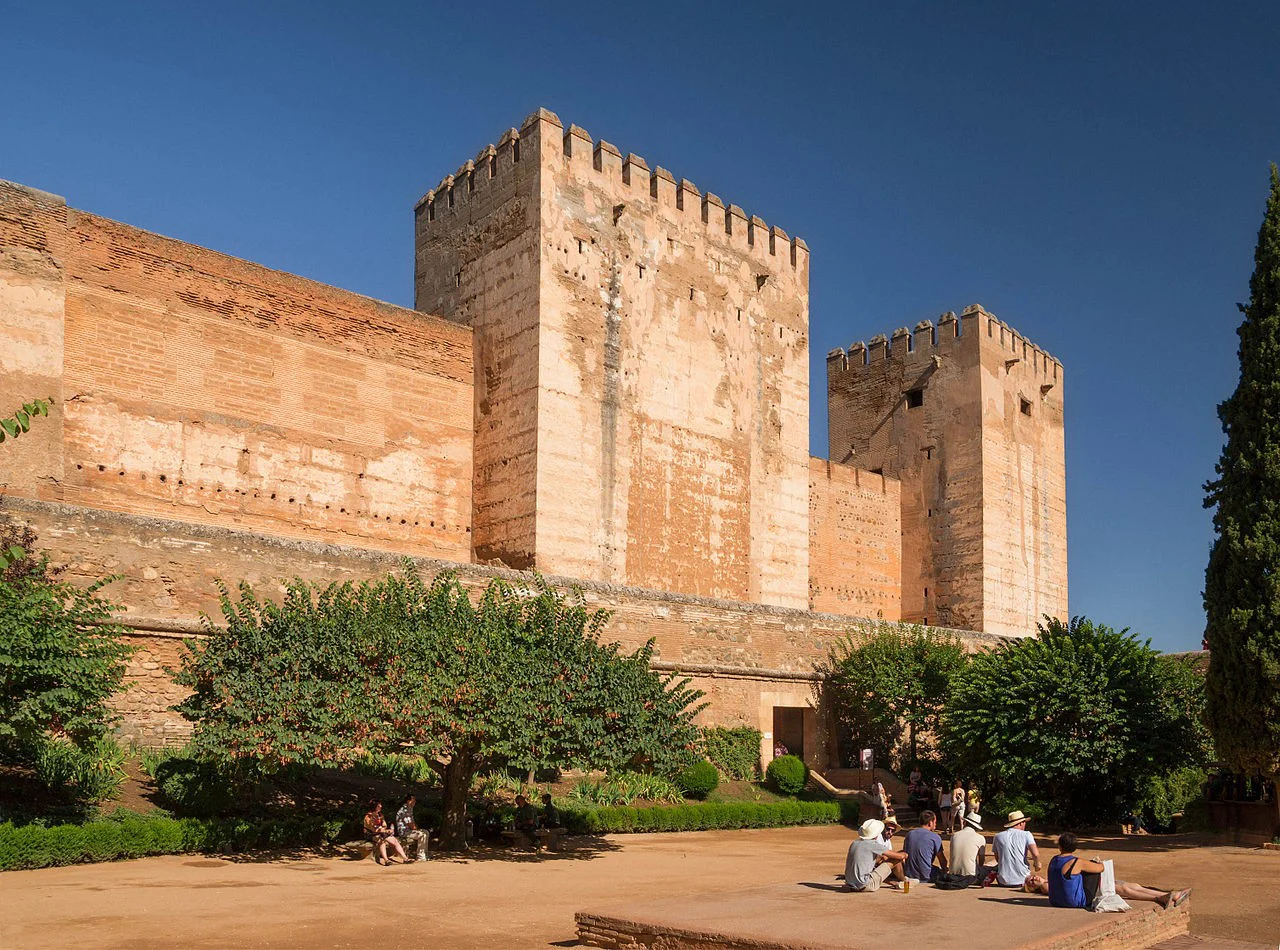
629, 174
926, 340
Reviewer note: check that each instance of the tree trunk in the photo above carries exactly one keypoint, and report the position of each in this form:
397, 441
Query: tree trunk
457, 787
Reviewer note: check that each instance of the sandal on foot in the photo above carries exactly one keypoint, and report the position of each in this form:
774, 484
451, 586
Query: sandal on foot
1179, 897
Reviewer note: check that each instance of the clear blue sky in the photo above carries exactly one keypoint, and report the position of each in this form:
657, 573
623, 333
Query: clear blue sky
1093, 174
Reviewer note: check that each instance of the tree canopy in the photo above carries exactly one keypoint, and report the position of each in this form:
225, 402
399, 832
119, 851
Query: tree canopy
521, 678
1242, 580
1080, 717
887, 687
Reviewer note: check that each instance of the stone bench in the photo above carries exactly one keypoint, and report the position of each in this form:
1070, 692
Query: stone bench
548, 837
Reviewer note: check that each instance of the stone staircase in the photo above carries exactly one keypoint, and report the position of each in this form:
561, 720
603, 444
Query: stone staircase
855, 785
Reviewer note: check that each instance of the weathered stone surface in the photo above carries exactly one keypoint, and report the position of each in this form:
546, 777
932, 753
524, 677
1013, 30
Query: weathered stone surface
192, 385
972, 426
655, 356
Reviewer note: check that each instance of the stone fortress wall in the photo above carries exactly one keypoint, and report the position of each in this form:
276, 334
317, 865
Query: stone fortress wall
605, 379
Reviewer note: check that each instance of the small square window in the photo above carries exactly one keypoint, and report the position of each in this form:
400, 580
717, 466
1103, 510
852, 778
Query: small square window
915, 398
1026, 406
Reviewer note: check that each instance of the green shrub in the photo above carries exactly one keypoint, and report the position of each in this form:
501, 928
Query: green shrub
134, 836
408, 769
735, 752
701, 816
1162, 796
698, 780
787, 774
193, 787
625, 788
89, 772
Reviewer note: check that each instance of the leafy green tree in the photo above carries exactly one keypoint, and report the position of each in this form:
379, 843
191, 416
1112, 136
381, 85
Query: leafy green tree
1078, 717
888, 688
1242, 581
60, 661
520, 679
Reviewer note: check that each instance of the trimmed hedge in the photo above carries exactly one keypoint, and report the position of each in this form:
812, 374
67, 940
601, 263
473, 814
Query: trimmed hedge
38, 846
704, 816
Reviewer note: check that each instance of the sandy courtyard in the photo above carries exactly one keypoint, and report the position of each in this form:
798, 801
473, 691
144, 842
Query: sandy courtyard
194, 901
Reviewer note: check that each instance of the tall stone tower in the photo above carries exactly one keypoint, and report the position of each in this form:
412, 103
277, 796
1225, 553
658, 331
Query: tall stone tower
641, 368
969, 416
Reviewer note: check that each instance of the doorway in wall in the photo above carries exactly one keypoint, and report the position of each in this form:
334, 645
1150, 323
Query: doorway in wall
788, 728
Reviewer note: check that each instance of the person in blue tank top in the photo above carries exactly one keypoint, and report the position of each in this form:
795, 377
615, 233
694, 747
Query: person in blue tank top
1066, 881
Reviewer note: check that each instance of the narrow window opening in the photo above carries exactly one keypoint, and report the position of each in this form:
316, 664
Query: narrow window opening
1025, 406
457, 279
926, 592
926, 621
431, 210
690, 293
779, 333
930, 513
579, 245
739, 314
450, 197
493, 165
471, 182
915, 398
515, 150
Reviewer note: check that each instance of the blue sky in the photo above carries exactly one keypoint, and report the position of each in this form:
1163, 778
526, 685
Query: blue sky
1093, 174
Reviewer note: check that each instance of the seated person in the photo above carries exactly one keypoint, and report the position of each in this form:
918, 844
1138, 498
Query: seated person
870, 862
407, 829
526, 816
1065, 885
922, 845
969, 848
377, 830
1013, 847
550, 814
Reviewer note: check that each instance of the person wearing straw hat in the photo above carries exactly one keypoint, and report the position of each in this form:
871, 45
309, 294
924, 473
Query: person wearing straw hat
871, 861
1015, 848
969, 847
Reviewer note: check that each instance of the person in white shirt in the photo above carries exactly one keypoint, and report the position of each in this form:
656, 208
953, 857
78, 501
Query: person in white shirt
969, 848
1015, 848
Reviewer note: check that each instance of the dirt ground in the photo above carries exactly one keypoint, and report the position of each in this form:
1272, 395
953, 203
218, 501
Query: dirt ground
500, 899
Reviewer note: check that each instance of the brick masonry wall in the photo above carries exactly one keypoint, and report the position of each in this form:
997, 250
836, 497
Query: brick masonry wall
203, 388
33, 232
748, 657
855, 535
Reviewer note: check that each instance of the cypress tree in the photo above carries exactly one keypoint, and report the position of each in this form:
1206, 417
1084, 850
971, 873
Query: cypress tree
1242, 581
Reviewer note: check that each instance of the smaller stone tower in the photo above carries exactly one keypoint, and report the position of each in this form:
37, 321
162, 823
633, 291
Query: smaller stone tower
969, 416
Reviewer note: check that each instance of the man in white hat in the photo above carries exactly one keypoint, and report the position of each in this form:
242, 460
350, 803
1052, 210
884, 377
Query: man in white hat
871, 861
1015, 847
969, 847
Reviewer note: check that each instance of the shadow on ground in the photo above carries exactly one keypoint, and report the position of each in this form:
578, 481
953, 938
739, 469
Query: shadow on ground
580, 848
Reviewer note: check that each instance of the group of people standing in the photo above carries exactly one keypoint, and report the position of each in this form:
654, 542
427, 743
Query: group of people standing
872, 862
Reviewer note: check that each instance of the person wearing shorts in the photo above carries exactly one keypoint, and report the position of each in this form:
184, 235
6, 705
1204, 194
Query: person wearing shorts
871, 862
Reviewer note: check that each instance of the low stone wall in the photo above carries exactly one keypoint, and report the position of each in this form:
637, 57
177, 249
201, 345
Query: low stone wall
1248, 823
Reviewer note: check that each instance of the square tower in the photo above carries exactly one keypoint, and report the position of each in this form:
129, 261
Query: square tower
969, 416
641, 368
